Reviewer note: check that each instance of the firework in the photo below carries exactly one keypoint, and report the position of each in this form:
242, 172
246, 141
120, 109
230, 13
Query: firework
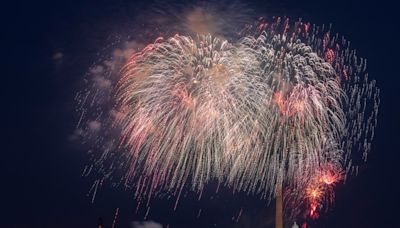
319, 192
265, 111
178, 110
315, 195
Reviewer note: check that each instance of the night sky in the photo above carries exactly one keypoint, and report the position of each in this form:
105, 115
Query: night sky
41, 183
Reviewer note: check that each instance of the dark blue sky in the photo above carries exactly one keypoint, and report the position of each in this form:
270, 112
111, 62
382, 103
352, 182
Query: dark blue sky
41, 184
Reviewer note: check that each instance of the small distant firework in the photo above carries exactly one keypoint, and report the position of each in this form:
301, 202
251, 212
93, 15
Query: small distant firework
319, 191
286, 104
315, 194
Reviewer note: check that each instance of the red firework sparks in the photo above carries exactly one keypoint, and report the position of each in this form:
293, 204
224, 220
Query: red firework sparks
320, 191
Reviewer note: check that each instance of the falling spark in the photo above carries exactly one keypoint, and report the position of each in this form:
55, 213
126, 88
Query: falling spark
115, 218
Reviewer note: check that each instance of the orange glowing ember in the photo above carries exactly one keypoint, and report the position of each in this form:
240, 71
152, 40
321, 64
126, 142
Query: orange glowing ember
314, 192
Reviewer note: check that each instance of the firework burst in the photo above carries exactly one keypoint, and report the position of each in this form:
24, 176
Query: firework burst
178, 110
285, 105
315, 194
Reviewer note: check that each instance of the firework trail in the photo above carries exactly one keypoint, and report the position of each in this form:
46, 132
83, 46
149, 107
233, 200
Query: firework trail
270, 108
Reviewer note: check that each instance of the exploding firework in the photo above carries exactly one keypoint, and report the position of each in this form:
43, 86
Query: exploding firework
315, 195
320, 190
178, 100
268, 110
